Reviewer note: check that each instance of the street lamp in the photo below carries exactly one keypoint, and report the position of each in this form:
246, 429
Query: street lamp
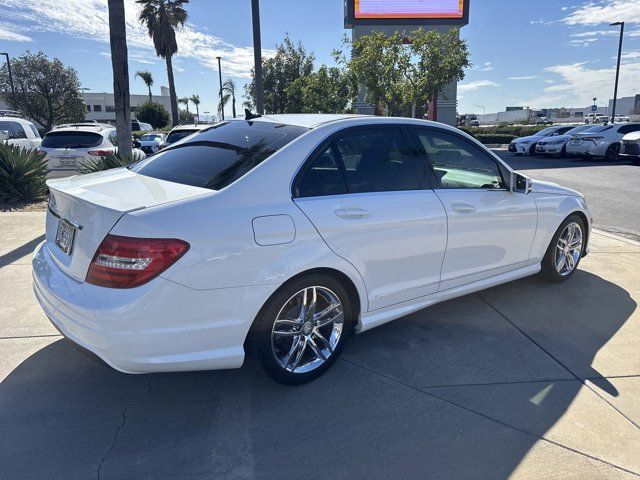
13, 89
615, 91
220, 73
483, 111
257, 56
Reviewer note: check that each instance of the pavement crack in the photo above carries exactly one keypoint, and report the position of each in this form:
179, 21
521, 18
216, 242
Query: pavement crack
130, 407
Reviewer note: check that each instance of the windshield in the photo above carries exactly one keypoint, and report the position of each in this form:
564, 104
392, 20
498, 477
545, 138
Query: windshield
578, 129
220, 155
545, 132
176, 135
149, 138
596, 129
71, 139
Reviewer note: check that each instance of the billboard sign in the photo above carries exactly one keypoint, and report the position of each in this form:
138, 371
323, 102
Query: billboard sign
403, 12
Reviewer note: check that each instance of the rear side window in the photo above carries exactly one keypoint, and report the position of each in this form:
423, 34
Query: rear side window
34, 130
218, 156
322, 177
377, 160
71, 139
179, 135
18, 131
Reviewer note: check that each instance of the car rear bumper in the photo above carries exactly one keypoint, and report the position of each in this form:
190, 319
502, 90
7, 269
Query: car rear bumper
587, 149
158, 327
552, 149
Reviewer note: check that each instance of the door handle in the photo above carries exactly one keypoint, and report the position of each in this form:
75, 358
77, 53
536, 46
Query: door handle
352, 213
463, 207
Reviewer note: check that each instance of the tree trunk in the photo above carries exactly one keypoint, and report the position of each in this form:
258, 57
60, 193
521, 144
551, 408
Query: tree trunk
233, 105
119, 63
172, 93
198, 112
150, 96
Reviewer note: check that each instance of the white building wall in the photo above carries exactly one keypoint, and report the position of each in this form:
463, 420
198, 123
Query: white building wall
101, 106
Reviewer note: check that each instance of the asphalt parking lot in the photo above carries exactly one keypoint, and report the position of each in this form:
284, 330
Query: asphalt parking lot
612, 189
526, 380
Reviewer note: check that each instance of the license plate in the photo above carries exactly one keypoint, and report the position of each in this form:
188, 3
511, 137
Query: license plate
68, 162
65, 235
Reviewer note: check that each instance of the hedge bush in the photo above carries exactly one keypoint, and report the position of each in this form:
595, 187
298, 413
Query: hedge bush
517, 130
153, 113
495, 138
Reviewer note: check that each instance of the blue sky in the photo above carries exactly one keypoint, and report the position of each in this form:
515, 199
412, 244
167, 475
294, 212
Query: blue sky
542, 53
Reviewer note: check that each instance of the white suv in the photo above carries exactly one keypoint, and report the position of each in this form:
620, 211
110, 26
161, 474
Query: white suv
18, 131
596, 118
69, 146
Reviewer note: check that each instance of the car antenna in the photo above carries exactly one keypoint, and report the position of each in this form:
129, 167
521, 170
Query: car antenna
250, 116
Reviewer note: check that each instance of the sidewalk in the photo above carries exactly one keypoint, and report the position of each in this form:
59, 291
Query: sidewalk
526, 380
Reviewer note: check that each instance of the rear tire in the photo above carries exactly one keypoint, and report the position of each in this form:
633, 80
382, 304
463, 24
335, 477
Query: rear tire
291, 340
565, 251
532, 150
563, 152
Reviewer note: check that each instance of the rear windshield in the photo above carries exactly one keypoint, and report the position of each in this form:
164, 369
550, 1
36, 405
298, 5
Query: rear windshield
218, 156
176, 135
71, 140
149, 138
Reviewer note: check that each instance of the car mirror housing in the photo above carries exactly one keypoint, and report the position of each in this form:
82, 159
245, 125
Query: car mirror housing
521, 184
4, 136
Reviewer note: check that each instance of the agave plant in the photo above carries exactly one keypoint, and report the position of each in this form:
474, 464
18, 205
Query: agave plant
107, 163
23, 173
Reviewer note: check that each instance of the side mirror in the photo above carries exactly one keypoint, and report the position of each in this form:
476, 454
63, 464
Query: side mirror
4, 136
521, 184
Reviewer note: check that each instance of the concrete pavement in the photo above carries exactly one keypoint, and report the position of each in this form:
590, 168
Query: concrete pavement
526, 380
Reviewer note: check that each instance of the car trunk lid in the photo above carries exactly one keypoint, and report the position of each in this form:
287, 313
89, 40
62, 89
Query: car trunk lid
83, 209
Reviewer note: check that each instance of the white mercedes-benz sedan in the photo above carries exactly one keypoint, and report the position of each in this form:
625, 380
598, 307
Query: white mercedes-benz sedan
281, 236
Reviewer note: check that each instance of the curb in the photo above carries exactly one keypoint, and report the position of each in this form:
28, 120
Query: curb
615, 237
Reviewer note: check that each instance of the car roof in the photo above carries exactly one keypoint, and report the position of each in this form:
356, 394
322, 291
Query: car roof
307, 120
83, 127
192, 126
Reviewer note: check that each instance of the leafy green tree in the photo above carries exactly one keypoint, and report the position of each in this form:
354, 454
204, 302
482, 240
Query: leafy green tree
329, 90
400, 77
288, 64
162, 18
153, 113
185, 102
147, 78
185, 116
46, 90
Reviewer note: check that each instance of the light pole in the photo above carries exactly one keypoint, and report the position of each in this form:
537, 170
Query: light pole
483, 111
615, 91
220, 74
257, 56
13, 89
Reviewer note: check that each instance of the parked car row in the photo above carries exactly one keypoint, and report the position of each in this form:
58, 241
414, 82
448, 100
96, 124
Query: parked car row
586, 141
602, 118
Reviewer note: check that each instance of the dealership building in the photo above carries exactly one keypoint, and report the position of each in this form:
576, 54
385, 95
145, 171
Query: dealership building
101, 106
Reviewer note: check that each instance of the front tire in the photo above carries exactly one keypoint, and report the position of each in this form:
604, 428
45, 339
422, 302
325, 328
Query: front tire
563, 255
302, 329
532, 150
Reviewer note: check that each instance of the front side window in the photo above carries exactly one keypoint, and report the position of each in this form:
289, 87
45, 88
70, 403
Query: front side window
457, 163
377, 160
220, 155
629, 128
323, 176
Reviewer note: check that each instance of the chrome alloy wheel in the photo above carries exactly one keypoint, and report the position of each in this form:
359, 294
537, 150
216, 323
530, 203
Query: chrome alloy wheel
307, 329
568, 249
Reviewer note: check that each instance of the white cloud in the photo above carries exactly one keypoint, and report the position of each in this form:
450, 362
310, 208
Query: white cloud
486, 67
468, 87
527, 77
10, 36
581, 83
605, 11
88, 19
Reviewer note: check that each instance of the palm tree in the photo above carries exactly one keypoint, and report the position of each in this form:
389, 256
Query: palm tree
185, 102
147, 78
120, 65
162, 17
229, 86
223, 102
195, 99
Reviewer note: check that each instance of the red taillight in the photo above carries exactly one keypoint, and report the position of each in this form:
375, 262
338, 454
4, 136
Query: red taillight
125, 262
100, 153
